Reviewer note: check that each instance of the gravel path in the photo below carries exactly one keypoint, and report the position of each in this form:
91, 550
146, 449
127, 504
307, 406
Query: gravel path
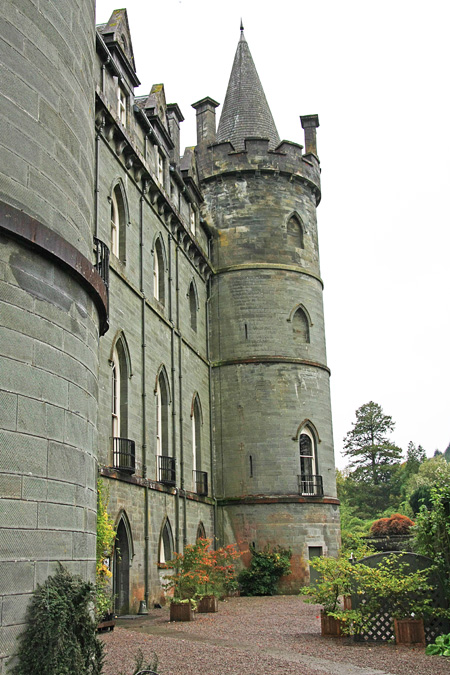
255, 636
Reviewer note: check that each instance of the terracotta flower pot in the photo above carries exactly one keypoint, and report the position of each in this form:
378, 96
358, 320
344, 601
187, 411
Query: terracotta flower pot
207, 604
181, 611
409, 631
330, 626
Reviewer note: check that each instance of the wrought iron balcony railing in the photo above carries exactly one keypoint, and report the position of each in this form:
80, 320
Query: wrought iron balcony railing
166, 470
201, 483
124, 454
310, 485
102, 260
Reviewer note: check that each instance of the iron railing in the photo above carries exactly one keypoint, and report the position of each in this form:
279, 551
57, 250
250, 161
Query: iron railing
166, 470
101, 264
310, 485
201, 483
124, 454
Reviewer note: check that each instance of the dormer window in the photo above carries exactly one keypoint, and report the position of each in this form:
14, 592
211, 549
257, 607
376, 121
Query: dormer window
122, 105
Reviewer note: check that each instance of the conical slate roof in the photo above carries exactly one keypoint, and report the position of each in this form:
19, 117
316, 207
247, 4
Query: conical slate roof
245, 112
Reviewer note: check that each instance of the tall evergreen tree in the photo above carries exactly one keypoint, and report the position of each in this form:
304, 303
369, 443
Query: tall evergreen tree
367, 445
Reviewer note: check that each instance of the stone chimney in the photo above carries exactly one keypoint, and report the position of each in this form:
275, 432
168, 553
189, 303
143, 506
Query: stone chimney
206, 120
310, 124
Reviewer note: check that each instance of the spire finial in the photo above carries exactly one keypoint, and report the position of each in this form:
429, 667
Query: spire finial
242, 26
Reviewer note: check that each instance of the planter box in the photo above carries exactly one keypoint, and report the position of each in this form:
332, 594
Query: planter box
181, 611
330, 626
409, 632
107, 623
207, 604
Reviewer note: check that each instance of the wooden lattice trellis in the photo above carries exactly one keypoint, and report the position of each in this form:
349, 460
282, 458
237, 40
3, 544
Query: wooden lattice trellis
382, 625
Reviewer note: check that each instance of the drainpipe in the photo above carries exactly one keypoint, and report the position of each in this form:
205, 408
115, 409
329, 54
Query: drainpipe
97, 175
174, 411
180, 377
144, 610
211, 426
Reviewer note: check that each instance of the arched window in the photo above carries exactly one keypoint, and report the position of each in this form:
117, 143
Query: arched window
300, 324
123, 553
158, 272
310, 483
201, 534
193, 304
196, 435
165, 543
118, 221
294, 232
123, 447
162, 414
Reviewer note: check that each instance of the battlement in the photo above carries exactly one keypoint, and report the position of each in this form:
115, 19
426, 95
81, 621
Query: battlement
218, 159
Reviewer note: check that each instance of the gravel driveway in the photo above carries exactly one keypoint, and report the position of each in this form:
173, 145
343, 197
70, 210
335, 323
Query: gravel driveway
253, 636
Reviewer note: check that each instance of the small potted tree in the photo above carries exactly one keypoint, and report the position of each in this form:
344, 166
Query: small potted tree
219, 575
334, 583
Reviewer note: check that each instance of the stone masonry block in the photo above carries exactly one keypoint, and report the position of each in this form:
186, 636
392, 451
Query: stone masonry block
8, 406
10, 486
19, 452
15, 513
14, 609
31, 417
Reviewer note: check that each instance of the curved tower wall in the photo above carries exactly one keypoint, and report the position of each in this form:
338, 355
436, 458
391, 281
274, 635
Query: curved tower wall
267, 381
52, 302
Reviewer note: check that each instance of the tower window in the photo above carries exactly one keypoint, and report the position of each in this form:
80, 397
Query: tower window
294, 232
300, 324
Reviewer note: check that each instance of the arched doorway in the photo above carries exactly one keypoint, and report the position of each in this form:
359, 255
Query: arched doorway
121, 571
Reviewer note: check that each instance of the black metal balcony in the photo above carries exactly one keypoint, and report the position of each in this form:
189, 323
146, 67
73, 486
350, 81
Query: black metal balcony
102, 260
310, 485
166, 470
201, 483
124, 455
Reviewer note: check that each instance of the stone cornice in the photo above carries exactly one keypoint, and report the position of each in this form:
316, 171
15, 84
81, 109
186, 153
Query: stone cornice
270, 359
48, 243
276, 499
268, 266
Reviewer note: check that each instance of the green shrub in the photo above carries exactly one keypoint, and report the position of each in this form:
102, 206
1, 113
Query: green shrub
139, 663
266, 568
60, 637
441, 646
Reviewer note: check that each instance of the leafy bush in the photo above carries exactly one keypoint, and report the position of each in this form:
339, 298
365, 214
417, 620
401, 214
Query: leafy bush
104, 547
139, 664
266, 568
200, 571
60, 637
441, 646
335, 581
396, 524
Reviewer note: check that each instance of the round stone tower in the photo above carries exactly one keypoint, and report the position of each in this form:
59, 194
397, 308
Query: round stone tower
52, 301
275, 472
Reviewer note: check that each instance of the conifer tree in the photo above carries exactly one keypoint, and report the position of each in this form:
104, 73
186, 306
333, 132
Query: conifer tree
367, 445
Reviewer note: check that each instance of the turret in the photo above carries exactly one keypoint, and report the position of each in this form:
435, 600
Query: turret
272, 415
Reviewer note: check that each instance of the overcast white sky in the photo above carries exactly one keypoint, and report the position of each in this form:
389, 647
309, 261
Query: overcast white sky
377, 73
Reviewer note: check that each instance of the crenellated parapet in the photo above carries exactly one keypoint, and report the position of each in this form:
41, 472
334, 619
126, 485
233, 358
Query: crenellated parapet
288, 160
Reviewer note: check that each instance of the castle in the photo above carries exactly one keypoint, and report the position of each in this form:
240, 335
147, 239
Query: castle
161, 318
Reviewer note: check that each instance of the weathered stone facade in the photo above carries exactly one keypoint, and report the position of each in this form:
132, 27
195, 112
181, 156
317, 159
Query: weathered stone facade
161, 318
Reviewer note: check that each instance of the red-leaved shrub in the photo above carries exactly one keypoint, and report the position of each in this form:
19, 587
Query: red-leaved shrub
396, 524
